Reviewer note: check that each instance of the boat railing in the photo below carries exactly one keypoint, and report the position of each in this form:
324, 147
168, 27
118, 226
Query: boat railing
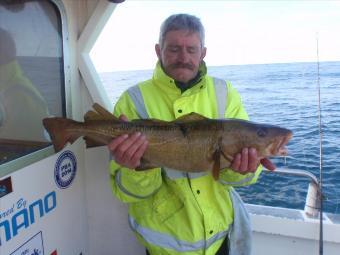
312, 204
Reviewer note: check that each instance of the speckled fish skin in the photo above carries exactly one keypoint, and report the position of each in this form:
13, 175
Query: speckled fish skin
191, 143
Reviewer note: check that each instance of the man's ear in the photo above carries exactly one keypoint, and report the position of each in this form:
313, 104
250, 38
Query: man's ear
204, 52
158, 50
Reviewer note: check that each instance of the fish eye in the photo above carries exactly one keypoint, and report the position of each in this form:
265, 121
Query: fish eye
262, 132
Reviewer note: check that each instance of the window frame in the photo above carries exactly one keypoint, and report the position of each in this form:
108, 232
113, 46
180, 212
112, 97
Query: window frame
21, 162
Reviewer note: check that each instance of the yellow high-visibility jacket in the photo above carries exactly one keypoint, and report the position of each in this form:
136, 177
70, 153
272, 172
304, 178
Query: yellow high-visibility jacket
173, 212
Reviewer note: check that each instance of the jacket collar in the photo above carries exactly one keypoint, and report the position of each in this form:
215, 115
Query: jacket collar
160, 78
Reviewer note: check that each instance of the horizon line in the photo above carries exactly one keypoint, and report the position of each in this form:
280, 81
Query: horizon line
251, 64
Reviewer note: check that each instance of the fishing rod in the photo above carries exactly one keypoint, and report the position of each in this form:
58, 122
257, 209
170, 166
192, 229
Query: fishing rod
320, 149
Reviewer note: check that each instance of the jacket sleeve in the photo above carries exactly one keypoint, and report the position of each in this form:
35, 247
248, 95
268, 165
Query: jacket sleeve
235, 109
129, 185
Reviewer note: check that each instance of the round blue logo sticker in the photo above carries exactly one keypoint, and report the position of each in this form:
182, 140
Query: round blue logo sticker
65, 169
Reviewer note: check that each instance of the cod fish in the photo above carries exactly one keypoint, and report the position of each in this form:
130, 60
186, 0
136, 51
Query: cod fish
191, 143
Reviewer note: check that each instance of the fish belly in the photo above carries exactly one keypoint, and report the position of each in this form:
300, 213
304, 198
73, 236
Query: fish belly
185, 153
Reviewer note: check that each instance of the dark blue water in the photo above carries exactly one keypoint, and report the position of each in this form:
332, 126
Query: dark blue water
285, 95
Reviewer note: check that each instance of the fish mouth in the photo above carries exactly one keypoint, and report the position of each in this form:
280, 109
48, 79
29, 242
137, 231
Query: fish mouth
280, 149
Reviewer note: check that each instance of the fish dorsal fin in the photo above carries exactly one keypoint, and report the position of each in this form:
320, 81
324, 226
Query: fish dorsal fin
190, 117
99, 113
103, 112
92, 115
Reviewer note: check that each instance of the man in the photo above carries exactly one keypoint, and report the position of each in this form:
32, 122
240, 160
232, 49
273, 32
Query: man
173, 212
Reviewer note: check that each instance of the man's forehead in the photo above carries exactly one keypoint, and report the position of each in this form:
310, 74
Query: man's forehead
182, 36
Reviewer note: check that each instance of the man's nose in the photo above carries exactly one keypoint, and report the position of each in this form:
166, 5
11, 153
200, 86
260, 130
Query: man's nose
183, 56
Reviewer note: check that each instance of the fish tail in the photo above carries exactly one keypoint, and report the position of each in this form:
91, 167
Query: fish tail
57, 129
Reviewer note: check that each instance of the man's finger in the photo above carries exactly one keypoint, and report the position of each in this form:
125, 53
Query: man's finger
129, 142
116, 142
139, 153
235, 165
253, 161
131, 151
244, 160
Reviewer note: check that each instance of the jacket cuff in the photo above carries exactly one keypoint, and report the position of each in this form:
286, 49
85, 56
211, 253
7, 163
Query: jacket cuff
232, 178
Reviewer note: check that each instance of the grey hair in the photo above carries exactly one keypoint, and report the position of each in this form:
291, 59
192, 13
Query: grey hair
182, 22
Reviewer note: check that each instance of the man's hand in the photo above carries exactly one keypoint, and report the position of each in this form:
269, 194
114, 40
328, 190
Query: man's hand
247, 162
127, 150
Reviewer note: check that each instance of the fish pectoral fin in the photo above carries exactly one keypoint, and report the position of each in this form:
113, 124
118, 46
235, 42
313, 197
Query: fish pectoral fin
217, 164
99, 113
190, 117
145, 165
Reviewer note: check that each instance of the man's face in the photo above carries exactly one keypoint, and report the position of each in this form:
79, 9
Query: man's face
181, 54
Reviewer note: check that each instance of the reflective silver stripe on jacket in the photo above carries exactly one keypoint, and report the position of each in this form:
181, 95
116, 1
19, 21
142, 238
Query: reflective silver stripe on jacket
175, 174
241, 182
221, 91
136, 96
118, 180
169, 242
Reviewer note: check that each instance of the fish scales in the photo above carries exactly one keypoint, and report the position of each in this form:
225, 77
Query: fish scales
191, 143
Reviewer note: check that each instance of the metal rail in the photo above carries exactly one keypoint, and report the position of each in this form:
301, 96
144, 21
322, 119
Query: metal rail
312, 204
295, 172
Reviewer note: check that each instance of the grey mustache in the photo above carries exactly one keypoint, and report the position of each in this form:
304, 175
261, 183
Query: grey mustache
183, 65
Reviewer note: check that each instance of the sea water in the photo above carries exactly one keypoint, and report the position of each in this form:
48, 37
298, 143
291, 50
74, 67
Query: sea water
284, 95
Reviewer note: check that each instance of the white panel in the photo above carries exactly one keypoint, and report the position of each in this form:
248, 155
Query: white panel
109, 232
281, 235
62, 224
281, 245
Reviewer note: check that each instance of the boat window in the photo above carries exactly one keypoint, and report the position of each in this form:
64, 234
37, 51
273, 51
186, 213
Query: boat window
31, 76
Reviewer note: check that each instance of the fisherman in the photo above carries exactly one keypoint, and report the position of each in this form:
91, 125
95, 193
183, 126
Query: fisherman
174, 212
